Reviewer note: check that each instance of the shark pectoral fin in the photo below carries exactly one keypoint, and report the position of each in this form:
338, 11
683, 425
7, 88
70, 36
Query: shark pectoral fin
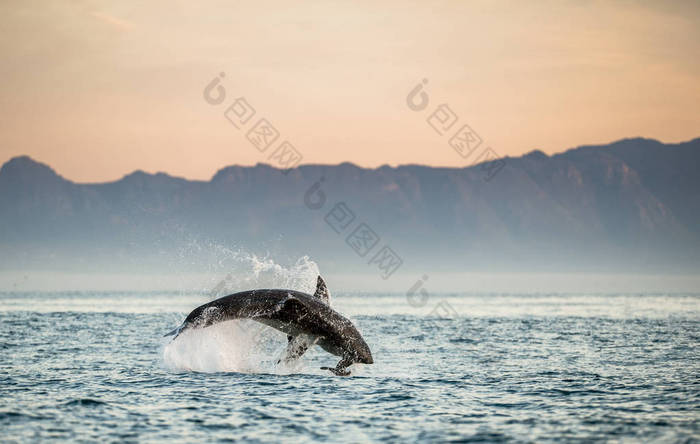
341, 369
336, 371
296, 347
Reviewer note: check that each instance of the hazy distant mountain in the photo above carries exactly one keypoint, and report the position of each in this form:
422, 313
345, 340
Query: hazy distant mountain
630, 205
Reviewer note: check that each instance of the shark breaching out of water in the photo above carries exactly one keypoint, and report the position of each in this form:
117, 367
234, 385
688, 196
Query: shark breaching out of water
306, 319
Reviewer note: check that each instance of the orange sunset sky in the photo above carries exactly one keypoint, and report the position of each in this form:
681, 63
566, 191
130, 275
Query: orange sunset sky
97, 89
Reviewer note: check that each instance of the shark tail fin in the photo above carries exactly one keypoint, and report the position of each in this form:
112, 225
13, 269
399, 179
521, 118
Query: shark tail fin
175, 332
322, 292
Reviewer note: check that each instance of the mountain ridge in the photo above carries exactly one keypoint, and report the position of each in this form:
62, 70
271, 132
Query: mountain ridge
634, 203
537, 152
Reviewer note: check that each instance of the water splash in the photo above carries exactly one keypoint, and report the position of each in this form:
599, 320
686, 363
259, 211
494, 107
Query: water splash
241, 345
233, 346
247, 271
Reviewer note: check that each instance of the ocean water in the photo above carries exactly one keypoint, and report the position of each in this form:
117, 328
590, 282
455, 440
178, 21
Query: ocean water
81, 366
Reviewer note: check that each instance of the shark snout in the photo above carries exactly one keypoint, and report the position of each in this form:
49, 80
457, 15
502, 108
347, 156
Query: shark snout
363, 354
367, 359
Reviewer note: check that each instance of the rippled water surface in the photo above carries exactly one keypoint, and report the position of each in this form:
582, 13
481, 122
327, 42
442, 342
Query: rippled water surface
461, 367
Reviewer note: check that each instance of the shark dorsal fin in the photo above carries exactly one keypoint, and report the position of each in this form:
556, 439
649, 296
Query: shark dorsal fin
322, 291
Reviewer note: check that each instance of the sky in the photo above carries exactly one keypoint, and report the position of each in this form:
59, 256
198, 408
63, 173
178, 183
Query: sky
98, 89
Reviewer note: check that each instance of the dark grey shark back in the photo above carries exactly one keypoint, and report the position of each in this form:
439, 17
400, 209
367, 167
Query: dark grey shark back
285, 306
291, 312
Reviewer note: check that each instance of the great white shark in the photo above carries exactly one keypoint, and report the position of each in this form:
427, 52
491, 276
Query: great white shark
306, 319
